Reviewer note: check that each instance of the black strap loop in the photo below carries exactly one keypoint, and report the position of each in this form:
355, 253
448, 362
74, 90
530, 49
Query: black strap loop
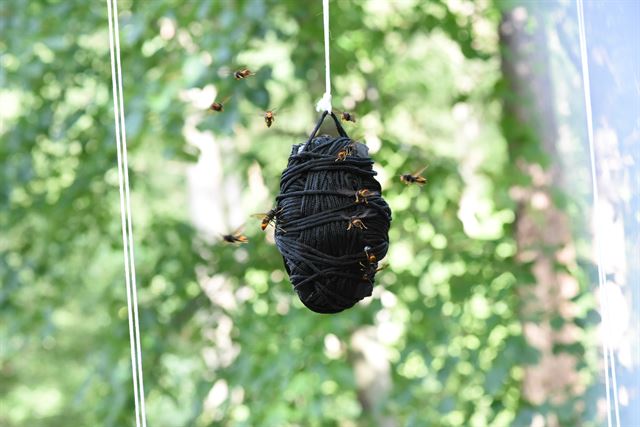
341, 130
339, 127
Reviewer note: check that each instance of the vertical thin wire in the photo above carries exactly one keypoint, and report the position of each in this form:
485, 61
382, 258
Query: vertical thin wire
609, 360
123, 218
134, 288
325, 103
125, 213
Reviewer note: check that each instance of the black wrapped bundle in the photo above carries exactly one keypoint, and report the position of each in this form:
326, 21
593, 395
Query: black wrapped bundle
332, 222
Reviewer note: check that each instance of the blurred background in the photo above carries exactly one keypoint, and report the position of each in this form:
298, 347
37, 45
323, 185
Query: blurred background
488, 314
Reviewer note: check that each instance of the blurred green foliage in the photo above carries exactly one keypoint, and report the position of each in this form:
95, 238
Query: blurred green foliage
224, 339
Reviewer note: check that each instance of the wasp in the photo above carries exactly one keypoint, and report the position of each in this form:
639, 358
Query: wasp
371, 268
243, 73
219, 106
411, 178
355, 222
346, 151
371, 257
363, 194
347, 117
269, 117
371, 272
235, 237
268, 218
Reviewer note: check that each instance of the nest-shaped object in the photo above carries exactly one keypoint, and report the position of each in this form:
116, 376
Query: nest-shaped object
332, 223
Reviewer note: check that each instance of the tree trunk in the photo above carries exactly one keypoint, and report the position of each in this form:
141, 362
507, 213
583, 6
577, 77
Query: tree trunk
542, 229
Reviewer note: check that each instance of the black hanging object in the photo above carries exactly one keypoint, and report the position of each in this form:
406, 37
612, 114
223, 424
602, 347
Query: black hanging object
332, 222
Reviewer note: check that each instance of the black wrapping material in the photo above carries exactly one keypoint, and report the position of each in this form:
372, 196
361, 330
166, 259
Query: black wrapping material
330, 266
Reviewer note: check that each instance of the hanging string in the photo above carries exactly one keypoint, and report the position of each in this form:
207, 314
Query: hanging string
325, 102
609, 357
125, 216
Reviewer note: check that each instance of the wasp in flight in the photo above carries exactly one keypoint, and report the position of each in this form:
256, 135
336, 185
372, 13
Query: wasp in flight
219, 106
235, 237
347, 117
414, 178
243, 73
269, 117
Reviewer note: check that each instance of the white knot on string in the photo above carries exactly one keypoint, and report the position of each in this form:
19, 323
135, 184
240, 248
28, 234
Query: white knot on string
324, 104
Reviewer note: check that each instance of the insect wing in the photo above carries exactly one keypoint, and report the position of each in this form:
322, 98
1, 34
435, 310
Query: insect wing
417, 173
